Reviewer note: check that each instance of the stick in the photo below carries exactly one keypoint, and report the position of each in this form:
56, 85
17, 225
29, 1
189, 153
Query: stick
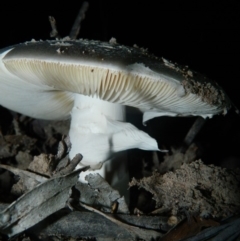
54, 32
77, 24
196, 127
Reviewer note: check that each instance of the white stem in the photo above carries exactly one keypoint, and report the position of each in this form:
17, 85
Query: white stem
98, 132
89, 134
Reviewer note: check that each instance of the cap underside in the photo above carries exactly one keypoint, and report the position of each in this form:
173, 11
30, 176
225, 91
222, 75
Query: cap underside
133, 84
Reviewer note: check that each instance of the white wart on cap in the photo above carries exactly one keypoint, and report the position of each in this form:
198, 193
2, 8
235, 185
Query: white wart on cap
92, 81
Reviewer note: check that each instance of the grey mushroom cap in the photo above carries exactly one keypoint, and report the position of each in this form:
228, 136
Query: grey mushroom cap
40, 79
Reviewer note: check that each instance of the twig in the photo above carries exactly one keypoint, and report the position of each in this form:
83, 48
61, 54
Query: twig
71, 166
76, 26
67, 142
61, 151
54, 32
16, 127
64, 147
196, 127
135, 232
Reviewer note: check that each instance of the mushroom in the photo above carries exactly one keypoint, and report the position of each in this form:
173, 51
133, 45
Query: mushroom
92, 82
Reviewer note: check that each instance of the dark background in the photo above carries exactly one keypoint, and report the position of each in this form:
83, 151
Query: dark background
203, 36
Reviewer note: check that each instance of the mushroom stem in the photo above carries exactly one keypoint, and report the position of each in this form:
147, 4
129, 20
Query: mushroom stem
98, 132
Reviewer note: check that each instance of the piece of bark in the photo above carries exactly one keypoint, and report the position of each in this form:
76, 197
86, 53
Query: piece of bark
88, 224
136, 233
98, 193
37, 204
69, 167
207, 190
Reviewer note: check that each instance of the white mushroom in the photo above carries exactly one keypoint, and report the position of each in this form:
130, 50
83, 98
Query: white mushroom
92, 81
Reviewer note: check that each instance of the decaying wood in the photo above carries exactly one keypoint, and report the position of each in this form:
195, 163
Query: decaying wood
40, 169
98, 193
135, 232
55, 165
70, 167
89, 224
37, 204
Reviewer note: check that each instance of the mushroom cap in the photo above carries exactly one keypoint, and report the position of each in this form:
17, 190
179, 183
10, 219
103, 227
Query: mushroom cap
41, 78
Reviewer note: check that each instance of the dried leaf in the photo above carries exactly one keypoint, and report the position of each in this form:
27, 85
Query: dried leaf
43, 164
27, 182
